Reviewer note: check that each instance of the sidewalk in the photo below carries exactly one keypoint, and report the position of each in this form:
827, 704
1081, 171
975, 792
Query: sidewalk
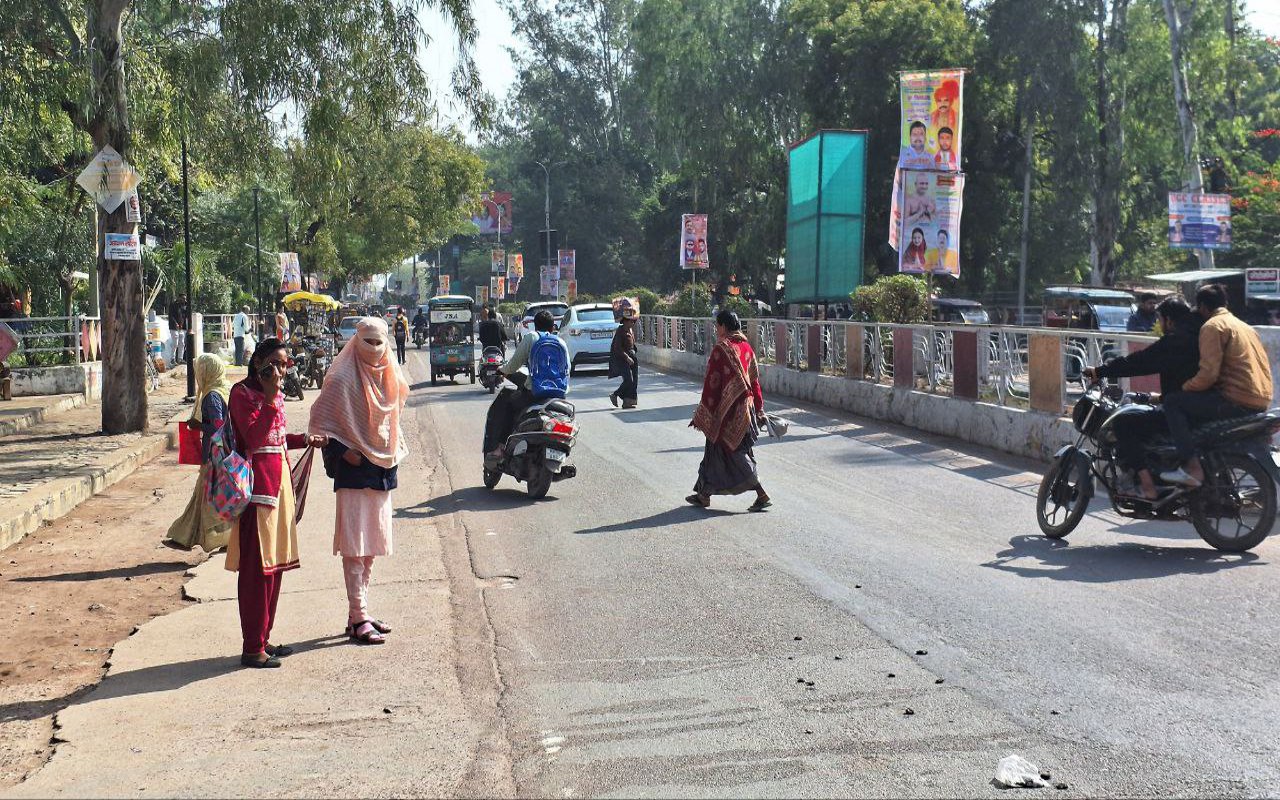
53, 455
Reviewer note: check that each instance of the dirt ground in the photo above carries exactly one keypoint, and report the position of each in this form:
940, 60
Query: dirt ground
75, 588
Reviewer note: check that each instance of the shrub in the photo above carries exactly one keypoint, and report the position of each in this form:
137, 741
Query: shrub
901, 299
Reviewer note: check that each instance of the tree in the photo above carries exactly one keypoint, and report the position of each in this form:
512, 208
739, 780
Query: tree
237, 59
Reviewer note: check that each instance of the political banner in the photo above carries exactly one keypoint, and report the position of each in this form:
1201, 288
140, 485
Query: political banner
931, 119
1199, 221
482, 295
693, 242
567, 264
122, 247
494, 213
570, 289
290, 273
444, 284
132, 208
497, 262
544, 283
895, 210
930, 236
517, 265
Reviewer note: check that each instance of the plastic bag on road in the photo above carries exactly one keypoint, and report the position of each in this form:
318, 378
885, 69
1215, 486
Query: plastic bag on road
1015, 772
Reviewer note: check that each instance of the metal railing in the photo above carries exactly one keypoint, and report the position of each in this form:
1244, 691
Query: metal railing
1001, 361
55, 340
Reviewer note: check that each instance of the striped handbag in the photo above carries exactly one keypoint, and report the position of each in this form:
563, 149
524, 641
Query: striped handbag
230, 476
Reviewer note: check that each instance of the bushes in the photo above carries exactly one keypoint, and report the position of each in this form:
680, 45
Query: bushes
899, 299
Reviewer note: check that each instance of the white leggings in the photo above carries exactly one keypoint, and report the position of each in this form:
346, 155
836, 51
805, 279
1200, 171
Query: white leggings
357, 570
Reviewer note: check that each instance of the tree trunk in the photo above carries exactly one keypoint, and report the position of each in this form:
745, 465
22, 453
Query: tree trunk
1028, 164
1186, 119
124, 395
1110, 99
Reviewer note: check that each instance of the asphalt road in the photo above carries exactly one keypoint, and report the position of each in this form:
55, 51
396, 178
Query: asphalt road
646, 647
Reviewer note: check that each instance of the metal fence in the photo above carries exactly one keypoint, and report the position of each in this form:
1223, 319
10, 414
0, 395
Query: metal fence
55, 340
994, 362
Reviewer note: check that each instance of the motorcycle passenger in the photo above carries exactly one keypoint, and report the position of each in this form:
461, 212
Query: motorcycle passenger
547, 370
1234, 380
1175, 357
491, 332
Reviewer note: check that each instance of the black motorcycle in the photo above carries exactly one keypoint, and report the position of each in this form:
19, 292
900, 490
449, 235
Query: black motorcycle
538, 449
1233, 510
420, 336
490, 360
318, 360
291, 386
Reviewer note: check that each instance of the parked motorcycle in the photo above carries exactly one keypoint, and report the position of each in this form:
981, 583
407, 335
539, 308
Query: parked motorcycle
1233, 510
538, 449
490, 360
292, 383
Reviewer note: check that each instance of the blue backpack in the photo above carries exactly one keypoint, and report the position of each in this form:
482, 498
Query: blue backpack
548, 367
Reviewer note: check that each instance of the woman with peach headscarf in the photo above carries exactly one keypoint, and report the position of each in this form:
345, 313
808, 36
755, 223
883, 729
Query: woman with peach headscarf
359, 410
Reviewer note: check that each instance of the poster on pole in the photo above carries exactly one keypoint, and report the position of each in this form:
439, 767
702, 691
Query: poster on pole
444, 283
517, 265
930, 235
497, 262
895, 209
1199, 221
482, 295
693, 242
122, 247
570, 289
931, 119
290, 273
132, 207
494, 213
109, 179
568, 265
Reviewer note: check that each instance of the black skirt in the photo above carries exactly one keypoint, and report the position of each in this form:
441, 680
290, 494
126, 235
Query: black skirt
724, 472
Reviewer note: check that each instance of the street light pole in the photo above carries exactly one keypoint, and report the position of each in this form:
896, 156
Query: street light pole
257, 258
546, 207
189, 343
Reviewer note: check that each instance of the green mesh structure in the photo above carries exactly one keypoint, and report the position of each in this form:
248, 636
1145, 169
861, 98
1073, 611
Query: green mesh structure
826, 204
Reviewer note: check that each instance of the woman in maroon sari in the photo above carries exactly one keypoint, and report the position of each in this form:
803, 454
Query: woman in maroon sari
732, 408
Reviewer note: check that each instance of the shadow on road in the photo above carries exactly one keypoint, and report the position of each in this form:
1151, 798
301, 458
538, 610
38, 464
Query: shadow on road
1038, 557
152, 568
469, 498
674, 516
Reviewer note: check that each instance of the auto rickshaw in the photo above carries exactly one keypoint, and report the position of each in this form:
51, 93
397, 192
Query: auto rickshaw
451, 336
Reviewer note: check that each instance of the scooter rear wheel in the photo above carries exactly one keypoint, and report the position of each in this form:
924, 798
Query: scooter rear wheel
539, 484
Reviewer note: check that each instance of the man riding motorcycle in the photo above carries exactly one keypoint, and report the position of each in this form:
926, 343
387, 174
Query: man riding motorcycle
508, 403
1175, 357
491, 332
419, 321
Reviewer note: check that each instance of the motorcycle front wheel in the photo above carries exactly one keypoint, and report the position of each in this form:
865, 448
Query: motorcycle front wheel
1063, 497
1237, 504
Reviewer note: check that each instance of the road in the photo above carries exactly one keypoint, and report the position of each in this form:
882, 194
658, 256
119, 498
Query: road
646, 647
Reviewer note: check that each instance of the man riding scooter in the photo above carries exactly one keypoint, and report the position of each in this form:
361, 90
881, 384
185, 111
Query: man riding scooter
419, 328
1175, 357
547, 358
491, 332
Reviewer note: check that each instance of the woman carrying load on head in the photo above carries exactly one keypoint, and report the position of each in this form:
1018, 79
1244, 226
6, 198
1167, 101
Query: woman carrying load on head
731, 409
359, 411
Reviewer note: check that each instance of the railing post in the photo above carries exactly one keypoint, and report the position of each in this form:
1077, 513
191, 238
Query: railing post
1044, 365
73, 326
964, 353
197, 325
780, 344
709, 337
854, 350
813, 345
753, 334
904, 358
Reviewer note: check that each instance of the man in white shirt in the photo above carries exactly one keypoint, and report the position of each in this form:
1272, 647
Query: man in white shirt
239, 329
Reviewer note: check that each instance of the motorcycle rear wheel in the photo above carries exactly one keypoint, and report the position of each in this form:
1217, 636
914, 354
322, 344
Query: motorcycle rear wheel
539, 483
491, 478
1062, 499
1242, 487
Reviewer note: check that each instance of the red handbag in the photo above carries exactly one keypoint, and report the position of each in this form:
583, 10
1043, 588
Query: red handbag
189, 445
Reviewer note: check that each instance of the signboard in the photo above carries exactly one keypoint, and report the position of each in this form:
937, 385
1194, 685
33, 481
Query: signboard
132, 208
497, 262
444, 284
450, 315
1199, 221
693, 242
570, 289
930, 235
517, 265
544, 284
290, 273
122, 247
1261, 282
109, 179
150, 242
482, 295
568, 265
494, 214
826, 200
931, 119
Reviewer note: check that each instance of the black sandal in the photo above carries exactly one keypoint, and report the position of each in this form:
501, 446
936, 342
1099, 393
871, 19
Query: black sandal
278, 650
696, 499
381, 626
371, 636
760, 504
254, 662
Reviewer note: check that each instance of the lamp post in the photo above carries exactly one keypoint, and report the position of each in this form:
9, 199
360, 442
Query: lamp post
257, 260
546, 201
189, 343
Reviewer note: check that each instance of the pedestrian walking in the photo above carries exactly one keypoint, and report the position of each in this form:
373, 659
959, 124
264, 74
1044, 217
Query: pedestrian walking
731, 410
623, 361
179, 312
239, 330
263, 543
199, 526
358, 411
402, 334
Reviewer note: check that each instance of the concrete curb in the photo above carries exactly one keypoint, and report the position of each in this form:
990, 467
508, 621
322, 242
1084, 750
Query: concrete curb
38, 415
58, 498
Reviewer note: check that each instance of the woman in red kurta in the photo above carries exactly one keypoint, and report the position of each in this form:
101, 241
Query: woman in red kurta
264, 539
732, 406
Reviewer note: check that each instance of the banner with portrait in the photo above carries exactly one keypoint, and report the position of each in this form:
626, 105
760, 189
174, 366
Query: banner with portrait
544, 285
494, 213
444, 284
482, 295
568, 265
1199, 221
290, 273
497, 262
931, 119
930, 235
517, 265
693, 242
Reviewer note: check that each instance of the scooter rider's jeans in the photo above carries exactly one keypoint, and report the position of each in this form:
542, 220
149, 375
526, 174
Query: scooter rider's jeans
504, 409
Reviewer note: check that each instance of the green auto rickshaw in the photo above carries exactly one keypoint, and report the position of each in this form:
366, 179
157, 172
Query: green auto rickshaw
451, 336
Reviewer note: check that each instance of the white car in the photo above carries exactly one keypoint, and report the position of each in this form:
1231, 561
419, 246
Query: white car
558, 310
587, 330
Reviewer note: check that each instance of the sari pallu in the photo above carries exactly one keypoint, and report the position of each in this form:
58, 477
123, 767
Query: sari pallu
731, 400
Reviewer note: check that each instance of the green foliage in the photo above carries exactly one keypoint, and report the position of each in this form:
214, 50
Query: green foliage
898, 299
691, 302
